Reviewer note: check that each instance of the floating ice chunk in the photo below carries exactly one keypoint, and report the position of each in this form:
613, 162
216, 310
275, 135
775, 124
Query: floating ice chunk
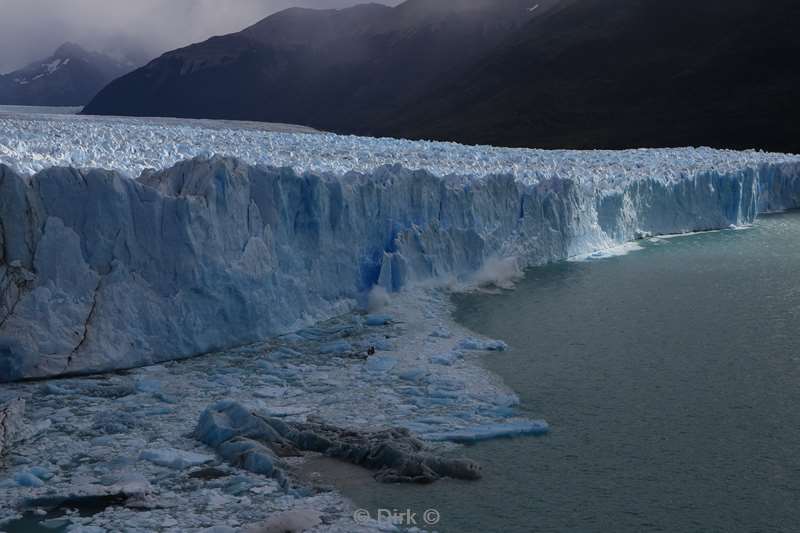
166, 398
436, 392
104, 440
227, 419
52, 388
488, 345
270, 392
412, 391
426, 402
41, 472
112, 423
504, 400
132, 485
249, 454
380, 363
294, 521
27, 479
446, 359
287, 411
490, 431
173, 458
336, 347
228, 381
377, 320
148, 385
441, 333
321, 333
414, 374
238, 485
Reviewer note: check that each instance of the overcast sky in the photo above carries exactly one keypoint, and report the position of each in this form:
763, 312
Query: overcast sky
32, 29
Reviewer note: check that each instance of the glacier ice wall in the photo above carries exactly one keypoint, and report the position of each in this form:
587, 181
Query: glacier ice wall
99, 271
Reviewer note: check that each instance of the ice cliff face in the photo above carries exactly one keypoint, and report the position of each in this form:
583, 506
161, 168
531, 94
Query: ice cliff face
99, 271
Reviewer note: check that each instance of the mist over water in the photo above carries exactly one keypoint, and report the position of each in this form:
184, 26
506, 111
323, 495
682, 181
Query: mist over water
670, 379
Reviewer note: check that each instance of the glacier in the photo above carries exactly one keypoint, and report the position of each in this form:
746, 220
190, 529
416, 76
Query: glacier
189, 240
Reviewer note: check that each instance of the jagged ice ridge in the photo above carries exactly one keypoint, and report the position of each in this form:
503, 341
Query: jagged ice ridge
99, 270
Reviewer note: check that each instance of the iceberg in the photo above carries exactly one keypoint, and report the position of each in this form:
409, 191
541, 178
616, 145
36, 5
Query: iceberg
101, 271
172, 458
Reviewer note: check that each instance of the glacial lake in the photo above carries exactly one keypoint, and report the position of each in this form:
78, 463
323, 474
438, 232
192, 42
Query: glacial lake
671, 380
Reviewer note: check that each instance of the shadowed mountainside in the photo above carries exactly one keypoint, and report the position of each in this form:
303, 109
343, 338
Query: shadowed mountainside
560, 73
70, 77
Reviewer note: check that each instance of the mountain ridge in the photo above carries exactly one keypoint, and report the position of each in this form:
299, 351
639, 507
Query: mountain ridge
71, 76
334, 77
557, 73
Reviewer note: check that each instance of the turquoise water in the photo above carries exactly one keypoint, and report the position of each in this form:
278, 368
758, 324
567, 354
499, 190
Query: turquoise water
671, 379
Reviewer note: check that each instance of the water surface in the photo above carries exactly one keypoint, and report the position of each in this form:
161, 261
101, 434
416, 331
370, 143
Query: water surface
671, 379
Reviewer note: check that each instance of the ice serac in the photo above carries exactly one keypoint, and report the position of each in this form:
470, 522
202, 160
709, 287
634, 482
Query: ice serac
99, 271
11, 423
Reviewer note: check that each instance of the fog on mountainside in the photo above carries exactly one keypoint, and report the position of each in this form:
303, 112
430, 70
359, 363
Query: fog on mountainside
558, 73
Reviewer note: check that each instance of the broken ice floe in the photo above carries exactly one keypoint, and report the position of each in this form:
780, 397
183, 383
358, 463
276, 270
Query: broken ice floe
255, 442
101, 429
488, 345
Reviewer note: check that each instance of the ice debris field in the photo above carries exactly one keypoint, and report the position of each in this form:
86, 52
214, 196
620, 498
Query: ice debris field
134, 242
127, 452
131, 145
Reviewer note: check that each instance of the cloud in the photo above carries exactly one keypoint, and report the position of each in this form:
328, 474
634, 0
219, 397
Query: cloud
32, 29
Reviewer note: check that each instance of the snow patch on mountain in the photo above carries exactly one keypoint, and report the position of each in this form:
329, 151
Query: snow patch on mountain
53, 65
45, 69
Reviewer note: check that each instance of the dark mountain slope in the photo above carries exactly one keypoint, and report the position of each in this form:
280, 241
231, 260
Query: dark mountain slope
345, 70
70, 77
624, 73
557, 73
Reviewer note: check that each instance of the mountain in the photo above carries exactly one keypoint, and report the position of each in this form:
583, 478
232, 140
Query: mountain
557, 73
70, 77
343, 70
629, 73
